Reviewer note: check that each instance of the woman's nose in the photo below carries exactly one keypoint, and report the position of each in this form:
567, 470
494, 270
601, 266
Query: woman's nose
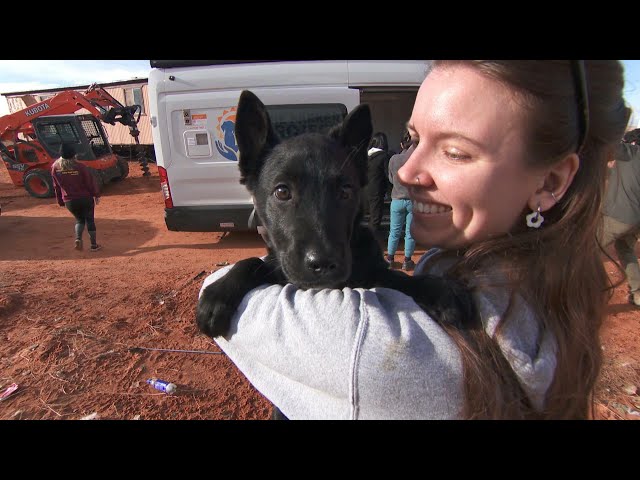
404, 175
414, 171
408, 172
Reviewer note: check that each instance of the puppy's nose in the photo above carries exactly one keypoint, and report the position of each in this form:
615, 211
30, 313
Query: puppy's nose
319, 264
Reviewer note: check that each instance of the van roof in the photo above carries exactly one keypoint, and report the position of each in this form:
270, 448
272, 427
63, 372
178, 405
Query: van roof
246, 74
199, 63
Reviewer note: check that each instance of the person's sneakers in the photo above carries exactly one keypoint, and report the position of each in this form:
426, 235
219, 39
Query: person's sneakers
389, 260
95, 248
78, 245
634, 298
408, 264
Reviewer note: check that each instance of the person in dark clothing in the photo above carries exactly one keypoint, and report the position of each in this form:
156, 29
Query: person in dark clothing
76, 189
378, 182
621, 210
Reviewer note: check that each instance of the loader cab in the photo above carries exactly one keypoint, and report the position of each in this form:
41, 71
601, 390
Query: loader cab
84, 132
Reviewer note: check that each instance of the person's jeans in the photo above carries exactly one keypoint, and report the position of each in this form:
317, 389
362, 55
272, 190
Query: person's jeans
401, 215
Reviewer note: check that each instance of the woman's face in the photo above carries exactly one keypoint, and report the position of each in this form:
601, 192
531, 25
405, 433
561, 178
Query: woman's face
469, 159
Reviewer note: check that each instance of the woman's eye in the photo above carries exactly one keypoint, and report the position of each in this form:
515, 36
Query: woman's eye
455, 155
282, 193
346, 192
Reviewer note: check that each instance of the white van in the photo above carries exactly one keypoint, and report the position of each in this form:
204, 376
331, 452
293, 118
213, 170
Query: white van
193, 108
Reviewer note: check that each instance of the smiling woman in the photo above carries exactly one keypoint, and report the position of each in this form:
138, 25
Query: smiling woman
455, 134
485, 157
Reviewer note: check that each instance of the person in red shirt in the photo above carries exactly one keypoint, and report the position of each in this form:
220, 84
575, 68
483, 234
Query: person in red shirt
77, 190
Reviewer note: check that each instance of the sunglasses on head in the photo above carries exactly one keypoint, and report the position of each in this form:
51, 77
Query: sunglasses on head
582, 100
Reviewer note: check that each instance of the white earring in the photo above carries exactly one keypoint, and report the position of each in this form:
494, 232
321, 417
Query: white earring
535, 218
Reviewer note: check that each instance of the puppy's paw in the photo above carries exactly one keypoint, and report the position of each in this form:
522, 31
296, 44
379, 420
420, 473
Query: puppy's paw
457, 308
213, 314
449, 302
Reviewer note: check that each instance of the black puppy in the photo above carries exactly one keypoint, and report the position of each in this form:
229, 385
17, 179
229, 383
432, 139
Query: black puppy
306, 192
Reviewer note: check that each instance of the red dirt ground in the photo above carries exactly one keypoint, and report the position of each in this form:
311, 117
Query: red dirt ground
75, 327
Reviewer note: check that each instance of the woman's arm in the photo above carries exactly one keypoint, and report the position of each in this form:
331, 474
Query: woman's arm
348, 354
56, 187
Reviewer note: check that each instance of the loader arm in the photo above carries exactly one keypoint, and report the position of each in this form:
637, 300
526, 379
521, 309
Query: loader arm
96, 100
113, 111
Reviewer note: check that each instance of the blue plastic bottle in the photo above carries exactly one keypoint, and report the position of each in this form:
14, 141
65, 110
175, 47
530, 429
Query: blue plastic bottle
166, 387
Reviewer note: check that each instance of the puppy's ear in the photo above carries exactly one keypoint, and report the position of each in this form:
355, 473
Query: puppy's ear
355, 133
356, 129
254, 134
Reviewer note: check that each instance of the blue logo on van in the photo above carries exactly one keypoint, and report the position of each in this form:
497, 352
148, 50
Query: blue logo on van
226, 137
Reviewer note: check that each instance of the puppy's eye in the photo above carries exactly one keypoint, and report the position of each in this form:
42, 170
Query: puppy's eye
346, 192
282, 193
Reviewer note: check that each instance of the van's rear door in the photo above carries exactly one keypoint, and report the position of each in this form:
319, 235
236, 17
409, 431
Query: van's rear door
202, 168
195, 114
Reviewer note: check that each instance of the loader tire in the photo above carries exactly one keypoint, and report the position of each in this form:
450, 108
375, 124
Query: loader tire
97, 176
39, 184
123, 166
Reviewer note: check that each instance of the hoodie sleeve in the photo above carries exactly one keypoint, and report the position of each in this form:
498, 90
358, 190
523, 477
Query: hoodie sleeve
344, 354
56, 187
391, 167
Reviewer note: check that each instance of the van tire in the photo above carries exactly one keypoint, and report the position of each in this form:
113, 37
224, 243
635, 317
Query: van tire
38, 183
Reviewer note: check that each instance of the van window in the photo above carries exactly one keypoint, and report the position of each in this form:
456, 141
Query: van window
292, 120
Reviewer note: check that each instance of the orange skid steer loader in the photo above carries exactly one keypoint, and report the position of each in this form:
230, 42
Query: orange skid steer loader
31, 139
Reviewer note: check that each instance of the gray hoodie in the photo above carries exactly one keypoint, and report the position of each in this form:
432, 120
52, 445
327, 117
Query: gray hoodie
622, 198
399, 191
369, 354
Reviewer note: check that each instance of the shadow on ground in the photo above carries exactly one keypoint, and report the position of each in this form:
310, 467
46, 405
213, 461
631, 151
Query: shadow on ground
614, 309
40, 238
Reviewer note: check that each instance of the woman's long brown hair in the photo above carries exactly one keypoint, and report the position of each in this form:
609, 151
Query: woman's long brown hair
558, 268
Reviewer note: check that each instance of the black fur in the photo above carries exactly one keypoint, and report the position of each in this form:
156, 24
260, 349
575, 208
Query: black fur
307, 192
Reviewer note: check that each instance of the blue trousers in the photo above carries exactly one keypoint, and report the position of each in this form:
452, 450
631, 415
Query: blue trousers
401, 216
